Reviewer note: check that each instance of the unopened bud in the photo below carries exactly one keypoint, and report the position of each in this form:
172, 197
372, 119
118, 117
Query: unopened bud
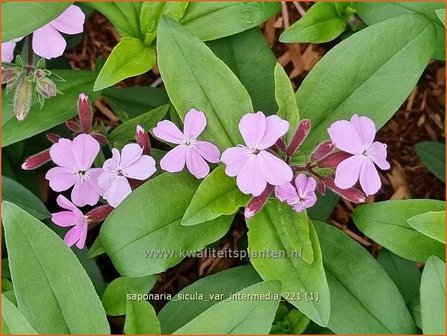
53, 137
281, 144
352, 194
85, 113
98, 214
323, 149
299, 136
321, 187
45, 87
333, 160
22, 98
257, 203
37, 160
101, 138
73, 125
142, 138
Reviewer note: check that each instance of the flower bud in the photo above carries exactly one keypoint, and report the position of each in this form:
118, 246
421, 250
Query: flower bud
45, 87
37, 160
22, 98
73, 126
281, 144
142, 138
352, 194
333, 160
322, 150
321, 187
299, 136
257, 203
85, 113
53, 137
101, 138
98, 214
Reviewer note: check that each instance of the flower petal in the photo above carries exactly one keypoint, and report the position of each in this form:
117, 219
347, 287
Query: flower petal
71, 21
166, 130
174, 160
61, 153
105, 179
64, 218
286, 192
377, 153
250, 179
369, 178
130, 154
366, 129
274, 129
60, 178
196, 164
84, 193
65, 203
8, 51
48, 42
208, 151
141, 169
274, 170
305, 185
113, 163
235, 159
194, 124
348, 171
117, 191
82, 237
252, 127
344, 135
85, 149
73, 235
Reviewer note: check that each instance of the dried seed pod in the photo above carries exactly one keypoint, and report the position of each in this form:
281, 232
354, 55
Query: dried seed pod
22, 98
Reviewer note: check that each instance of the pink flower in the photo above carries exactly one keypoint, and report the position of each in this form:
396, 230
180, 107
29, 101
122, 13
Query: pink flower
115, 172
48, 41
73, 217
8, 50
253, 165
75, 159
189, 151
299, 196
356, 137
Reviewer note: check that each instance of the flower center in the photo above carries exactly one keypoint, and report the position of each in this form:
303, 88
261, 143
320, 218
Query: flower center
83, 175
189, 141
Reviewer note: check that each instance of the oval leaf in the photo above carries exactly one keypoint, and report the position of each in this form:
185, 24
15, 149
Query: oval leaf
13, 322
431, 224
140, 317
432, 155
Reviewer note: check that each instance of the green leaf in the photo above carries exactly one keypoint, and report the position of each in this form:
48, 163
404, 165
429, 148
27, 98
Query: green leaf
14, 192
324, 206
240, 52
431, 224
126, 131
285, 98
386, 223
217, 195
239, 315
44, 298
415, 310
433, 297
441, 15
13, 322
129, 58
30, 15
364, 300
372, 13
394, 54
404, 273
148, 221
432, 155
114, 298
226, 18
267, 233
56, 110
135, 100
203, 294
204, 82
141, 318
321, 23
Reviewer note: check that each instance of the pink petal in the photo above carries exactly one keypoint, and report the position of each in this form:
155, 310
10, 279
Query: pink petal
73, 235
344, 135
84, 193
252, 127
65, 203
117, 191
62, 154
85, 150
348, 171
174, 160
377, 153
64, 218
250, 179
196, 164
274, 170
369, 178
130, 154
286, 192
8, 51
93, 179
82, 237
305, 185
208, 151
166, 130
60, 178
274, 129
235, 159
194, 124
310, 201
105, 180
366, 129
71, 21
48, 42
141, 169
113, 163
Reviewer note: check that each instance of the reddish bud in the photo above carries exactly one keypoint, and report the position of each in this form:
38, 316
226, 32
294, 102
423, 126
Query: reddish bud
101, 138
37, 160
281, 144
321, 187
333, 160
142, 138
352, 194
257, 203
85, 113
98, 214
323, 149
73, 126
299, 136
53, 137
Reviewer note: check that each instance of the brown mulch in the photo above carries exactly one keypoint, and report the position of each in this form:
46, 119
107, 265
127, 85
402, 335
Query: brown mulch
420, 118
